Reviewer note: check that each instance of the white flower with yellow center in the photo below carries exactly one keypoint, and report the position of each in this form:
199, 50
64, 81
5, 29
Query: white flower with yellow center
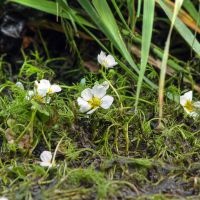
46, 158
189, 106
44, 87
106, 61
42, 90
92, 99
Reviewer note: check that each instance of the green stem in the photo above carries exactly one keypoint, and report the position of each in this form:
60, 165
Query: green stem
28, 127
125, 130
68, 87
45, 139
116, 139
115, 91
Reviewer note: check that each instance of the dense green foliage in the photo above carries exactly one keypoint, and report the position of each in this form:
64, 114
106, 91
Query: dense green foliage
144, 146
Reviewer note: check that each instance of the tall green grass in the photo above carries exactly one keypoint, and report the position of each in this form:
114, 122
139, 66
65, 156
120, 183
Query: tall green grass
178, 4
147, 30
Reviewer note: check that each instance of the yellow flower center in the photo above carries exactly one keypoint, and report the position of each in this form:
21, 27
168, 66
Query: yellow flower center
95, 102
188, 105
39, 98
105, 63
50, 91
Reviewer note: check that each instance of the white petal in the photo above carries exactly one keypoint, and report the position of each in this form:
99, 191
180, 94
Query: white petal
84, 105
20, 85
42, 87
186, 97
3, 198
193, 114
46, 164
91, 111
55, 88
101, 57
81, 101
196, 104
45, 82
36, 84
105, 84
183, 100
41, 91
86, 94
98, 91
46, 156
111, 61
29, 95
107, 101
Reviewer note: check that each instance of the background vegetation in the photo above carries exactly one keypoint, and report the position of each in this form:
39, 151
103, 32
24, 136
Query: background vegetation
144, 147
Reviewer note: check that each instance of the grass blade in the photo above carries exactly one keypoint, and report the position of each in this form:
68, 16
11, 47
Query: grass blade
131, 11
187, 35
147, 29
177, 7
51, 8
139, 8
189, 6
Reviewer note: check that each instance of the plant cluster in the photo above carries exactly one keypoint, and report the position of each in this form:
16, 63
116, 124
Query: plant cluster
117, 131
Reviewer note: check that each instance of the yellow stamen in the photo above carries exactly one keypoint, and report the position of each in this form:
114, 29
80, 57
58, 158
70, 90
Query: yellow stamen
39, 98
95, 102
50, 91
188, 106
105, 63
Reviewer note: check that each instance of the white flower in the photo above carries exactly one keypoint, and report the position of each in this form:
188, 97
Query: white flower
106, 61
42, 91
3, 198
44, 87
34, 95
46, 157
92, 99
19, 85
188, 105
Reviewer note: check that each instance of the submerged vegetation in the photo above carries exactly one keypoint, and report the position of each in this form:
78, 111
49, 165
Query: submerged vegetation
99, 99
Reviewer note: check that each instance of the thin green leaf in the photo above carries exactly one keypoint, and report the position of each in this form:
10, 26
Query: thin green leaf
189, 6
131, 11
120, 14
177, 7
51, 8
139, 8
147, 29
182, 28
